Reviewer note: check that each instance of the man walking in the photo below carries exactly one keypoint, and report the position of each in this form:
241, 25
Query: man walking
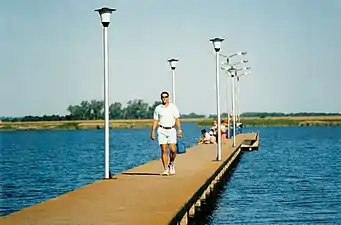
166, 116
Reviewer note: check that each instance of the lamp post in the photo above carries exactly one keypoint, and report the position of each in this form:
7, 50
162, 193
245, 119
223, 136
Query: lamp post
237, 99
228, 64
217, 45
230, 86
233, 73
172, 63
232, 55
238, 94
243, 61
105, 14
234, 78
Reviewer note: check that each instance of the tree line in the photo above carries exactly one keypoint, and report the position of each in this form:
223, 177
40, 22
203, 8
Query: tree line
134, 109
94, 110
279, 114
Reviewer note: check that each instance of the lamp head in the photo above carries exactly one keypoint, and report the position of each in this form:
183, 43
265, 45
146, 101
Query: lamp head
172, 63
105, 14
217, 43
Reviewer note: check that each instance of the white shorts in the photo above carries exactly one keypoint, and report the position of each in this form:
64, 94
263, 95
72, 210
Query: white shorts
166, 136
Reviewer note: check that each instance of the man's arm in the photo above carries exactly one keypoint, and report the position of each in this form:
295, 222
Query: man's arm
155, 123
177, 120
178, 124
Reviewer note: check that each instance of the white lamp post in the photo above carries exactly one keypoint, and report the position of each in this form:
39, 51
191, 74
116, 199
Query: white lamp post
172, 63
238, 94
105, 14
233, 73
217, 45
229, 87
237, 100
234, 77
232, 55
228, 64
243, 61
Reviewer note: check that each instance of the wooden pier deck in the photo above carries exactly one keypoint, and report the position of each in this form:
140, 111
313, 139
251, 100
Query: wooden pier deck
140, 195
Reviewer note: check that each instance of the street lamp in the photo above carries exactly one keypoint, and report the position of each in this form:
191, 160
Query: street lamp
232, 55
105, 14
228, 108
244, 68
234, 78
217, 45
238, 94
228, 57
233, 73
172, 63
243, 61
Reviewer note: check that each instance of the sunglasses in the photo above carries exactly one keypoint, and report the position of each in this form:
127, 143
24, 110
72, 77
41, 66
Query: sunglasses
164, 96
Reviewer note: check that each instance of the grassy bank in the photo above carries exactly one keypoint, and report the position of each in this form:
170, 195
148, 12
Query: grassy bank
80, 124
284, 121
146, 123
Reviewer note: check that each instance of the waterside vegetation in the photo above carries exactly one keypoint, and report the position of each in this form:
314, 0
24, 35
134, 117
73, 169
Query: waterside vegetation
139, 114
284, 121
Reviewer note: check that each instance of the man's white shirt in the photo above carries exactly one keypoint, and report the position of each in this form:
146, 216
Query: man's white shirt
166, 115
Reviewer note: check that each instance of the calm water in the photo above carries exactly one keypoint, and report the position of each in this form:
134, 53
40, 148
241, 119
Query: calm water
39, 165
295, 177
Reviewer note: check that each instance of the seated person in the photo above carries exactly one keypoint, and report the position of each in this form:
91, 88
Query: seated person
213, 135
206, 138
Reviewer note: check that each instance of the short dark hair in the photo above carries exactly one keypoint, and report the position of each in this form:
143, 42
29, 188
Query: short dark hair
164, 92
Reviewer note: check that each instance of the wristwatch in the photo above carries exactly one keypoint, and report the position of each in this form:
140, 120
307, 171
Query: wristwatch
180, 131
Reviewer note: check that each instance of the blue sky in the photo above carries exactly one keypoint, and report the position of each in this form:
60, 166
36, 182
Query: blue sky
51, 53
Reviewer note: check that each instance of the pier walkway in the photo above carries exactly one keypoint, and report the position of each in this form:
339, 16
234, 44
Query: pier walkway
140, 195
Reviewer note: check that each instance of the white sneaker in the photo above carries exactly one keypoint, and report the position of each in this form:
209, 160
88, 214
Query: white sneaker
166, 172
171, 169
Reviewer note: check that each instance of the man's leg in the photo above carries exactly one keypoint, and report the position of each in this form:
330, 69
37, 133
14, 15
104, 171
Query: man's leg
164, 155
172, 154
172, 148
162, 138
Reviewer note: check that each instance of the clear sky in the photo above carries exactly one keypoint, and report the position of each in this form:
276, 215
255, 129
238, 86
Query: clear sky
51, 53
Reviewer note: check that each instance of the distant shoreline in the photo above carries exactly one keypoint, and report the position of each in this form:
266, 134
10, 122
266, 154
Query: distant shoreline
146, 123
82, 124
284, 121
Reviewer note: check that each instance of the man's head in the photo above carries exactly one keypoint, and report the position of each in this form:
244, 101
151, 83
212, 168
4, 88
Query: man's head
165, 97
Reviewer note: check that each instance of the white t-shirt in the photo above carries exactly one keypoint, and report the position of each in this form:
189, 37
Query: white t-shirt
166, 115
207, 136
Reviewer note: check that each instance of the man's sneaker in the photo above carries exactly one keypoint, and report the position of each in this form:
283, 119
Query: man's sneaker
166, 172
171, 169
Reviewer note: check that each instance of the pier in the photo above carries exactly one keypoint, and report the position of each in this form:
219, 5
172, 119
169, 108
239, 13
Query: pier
141, 195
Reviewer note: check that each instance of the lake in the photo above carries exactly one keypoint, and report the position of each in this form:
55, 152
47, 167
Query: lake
294, 178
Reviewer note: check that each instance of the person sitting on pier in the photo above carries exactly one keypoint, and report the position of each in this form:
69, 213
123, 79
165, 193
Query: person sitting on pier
166, 116
207, 138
